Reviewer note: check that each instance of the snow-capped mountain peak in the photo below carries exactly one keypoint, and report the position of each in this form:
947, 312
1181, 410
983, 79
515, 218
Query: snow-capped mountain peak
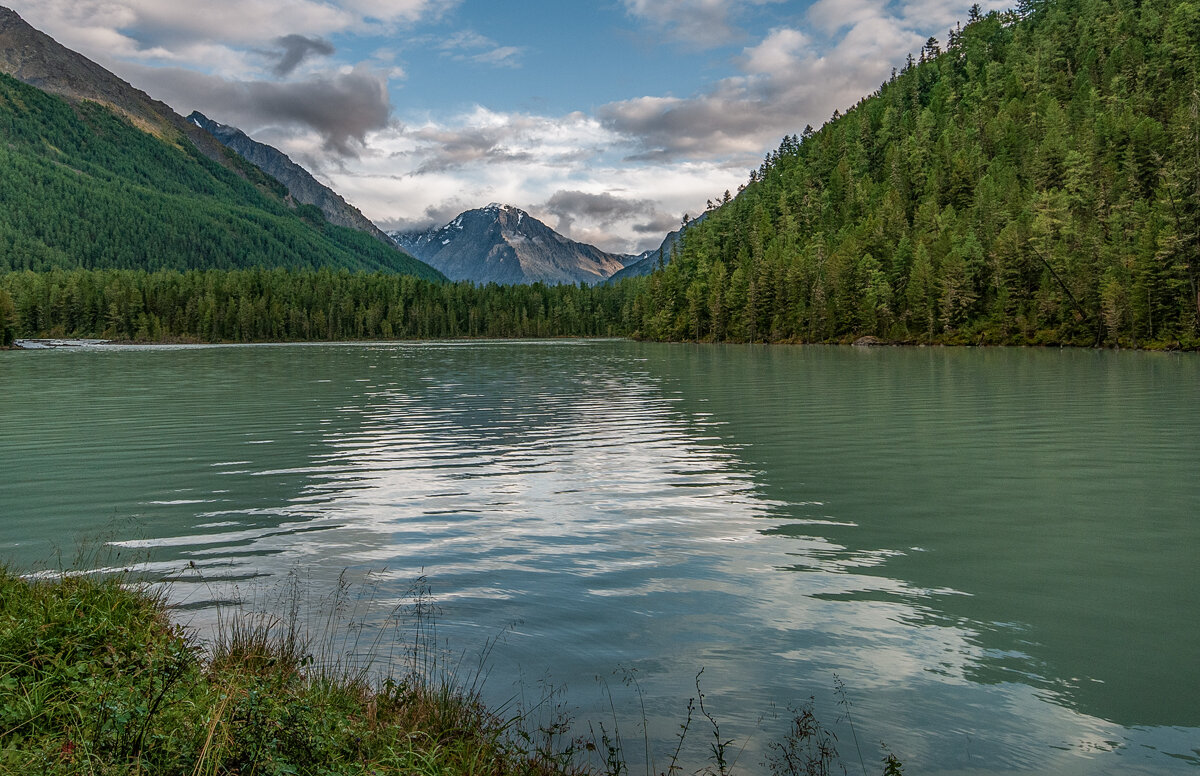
504, 244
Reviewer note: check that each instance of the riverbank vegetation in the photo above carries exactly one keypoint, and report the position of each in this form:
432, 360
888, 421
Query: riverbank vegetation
95, 678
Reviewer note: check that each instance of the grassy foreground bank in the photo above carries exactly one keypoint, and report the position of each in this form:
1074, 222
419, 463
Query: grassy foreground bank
96, 679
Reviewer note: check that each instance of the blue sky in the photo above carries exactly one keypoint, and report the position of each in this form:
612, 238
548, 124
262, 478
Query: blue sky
606, 119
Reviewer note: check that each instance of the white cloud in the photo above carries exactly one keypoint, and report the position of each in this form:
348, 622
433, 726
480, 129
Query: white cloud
470, 46
114, 29
786, 82
425, 172
832, 15
697, 22
780, 52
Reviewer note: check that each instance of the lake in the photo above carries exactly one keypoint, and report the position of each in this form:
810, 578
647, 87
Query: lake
996, 550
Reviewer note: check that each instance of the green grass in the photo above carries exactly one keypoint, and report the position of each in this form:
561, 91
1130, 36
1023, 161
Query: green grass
96, 679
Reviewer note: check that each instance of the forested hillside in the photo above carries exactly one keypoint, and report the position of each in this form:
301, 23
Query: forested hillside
1038, 181
82, 187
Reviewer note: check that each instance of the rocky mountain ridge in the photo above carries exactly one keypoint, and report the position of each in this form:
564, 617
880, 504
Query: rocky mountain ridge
300, 183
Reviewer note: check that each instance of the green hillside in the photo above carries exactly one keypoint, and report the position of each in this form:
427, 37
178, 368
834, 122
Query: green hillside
1036, 182
83, 188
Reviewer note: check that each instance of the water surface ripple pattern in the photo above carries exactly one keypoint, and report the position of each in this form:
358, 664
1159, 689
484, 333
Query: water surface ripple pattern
994, 549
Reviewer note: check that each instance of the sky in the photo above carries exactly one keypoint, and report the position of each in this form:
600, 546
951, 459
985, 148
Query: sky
607, 119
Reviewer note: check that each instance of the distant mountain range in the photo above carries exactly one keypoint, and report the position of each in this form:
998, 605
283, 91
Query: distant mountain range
505, 245
111, 178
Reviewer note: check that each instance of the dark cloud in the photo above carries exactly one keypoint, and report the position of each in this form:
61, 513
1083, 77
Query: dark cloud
295, 48
726, 122
660, 224
604, 209
341, 107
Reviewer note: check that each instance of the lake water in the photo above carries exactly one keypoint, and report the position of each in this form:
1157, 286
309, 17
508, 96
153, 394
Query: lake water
995, 550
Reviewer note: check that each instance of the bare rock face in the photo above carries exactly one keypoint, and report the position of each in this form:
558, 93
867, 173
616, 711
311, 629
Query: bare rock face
303, 187
505, 245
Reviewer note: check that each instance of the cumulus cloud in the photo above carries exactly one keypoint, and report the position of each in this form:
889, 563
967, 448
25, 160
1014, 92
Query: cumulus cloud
658, 226
146, 25
488, 138
295, 49
832, 15
453, 148
780, 52
432, 217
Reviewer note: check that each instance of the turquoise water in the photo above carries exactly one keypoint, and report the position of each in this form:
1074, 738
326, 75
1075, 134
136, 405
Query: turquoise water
995, 550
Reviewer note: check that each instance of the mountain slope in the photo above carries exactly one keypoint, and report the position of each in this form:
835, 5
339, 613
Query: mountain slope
505, 245
1037, 182
85, 187
299, 182
38, 60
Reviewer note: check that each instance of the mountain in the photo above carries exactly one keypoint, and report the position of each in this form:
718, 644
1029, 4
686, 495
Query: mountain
36, 59
502, 244
98, 175
1037, 181
299, 182
646, 263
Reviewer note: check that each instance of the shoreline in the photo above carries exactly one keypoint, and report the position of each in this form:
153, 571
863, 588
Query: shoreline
865, 342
